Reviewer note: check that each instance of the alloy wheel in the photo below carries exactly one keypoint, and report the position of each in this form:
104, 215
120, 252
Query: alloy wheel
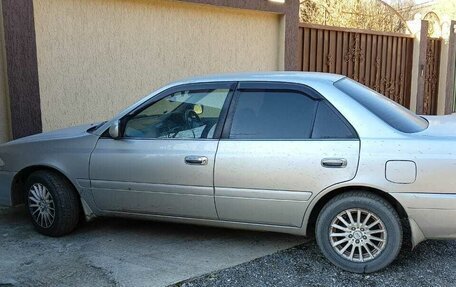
41, 205
358, 235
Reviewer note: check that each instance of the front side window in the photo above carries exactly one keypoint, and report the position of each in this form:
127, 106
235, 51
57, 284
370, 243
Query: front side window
271, 114
191, 114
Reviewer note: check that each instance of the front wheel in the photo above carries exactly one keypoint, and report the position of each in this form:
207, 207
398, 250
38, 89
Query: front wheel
359, 232
52, 203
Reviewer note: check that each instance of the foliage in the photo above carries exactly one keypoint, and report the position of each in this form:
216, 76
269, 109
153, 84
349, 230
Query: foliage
362, 14
445, 8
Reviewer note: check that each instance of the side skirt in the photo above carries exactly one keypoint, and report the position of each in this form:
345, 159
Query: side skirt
210, 222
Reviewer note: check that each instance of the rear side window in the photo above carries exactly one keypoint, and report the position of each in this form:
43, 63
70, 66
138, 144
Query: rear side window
330, 125
387, 110
272, 114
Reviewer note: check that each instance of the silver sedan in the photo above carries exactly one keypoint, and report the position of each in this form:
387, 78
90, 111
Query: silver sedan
299, 153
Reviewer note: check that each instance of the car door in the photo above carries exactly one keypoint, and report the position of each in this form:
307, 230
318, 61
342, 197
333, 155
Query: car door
282, 144
163, 164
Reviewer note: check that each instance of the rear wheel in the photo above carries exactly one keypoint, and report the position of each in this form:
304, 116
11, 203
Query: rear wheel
359, 232
52, 203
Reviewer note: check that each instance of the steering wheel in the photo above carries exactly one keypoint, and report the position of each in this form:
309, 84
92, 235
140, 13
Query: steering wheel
191, 119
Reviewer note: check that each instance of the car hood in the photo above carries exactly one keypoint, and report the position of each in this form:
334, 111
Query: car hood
66, 150
440, 126
60, 134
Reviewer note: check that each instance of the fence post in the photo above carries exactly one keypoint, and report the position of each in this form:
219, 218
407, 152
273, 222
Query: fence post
443, 75
420, 80
5, 107
450, 71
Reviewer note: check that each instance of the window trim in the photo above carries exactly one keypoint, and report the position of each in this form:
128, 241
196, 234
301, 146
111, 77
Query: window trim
303, 89
231, 86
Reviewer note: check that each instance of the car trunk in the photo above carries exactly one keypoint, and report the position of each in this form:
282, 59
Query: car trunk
440, 126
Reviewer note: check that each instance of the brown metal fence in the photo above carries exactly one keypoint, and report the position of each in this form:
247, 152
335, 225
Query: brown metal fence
431, 76
381, 61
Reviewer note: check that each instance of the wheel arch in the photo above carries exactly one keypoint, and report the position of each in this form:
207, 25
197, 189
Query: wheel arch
312, 214
19, 180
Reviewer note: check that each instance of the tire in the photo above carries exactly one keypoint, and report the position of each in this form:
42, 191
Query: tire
52, 203
366, 258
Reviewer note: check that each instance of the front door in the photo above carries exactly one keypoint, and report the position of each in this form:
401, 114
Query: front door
281, 145
163, 164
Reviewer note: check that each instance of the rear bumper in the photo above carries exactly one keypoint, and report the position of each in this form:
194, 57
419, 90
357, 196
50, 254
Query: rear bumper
434, 214
6, 180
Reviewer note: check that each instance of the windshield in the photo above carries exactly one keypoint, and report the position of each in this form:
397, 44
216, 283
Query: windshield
387, 110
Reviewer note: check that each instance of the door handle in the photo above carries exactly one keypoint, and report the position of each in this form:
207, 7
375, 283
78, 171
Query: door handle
334, 162
196, 160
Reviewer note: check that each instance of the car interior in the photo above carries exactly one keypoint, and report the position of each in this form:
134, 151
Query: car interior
189, 114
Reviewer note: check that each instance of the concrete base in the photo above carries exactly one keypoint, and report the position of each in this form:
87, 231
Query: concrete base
124, 252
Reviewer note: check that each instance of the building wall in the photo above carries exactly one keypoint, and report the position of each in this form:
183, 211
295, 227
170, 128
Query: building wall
5, 129
96, 57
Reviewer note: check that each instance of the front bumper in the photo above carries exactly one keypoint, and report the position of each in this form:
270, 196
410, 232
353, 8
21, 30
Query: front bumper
434, 214
6, 181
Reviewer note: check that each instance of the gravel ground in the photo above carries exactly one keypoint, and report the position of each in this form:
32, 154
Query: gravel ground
432, 263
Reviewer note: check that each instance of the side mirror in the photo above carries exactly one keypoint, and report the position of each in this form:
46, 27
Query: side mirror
114, 130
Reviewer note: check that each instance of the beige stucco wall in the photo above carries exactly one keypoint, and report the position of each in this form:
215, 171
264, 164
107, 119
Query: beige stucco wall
5, 131
96, 57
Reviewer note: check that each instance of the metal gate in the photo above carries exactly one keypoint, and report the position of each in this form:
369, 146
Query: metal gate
379, 60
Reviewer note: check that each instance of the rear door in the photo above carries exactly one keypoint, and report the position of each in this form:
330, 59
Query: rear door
281, 144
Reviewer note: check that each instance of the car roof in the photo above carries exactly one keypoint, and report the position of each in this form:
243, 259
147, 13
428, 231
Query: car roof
294, 77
